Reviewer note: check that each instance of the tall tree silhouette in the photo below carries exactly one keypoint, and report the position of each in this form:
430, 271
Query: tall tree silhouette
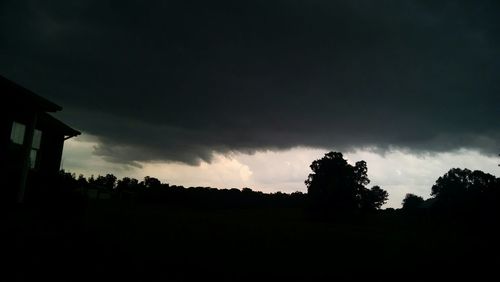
335, 184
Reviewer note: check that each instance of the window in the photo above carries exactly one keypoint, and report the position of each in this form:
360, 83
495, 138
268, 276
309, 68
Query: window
17, 133
33, 154
37, 140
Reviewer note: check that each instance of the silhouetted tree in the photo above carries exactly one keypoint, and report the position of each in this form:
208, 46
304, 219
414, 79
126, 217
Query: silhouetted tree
151, 182
412, 202
127, 184
91, 180
246, 190
335, 184
372, 199
82, 181
108, 181
463, 190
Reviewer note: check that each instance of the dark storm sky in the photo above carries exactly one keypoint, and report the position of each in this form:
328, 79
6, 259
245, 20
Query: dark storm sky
179, 80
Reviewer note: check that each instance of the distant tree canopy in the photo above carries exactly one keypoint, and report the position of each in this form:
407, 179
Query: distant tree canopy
108, 181
152, 190
412, 202
374, 198
466, 190
335, 184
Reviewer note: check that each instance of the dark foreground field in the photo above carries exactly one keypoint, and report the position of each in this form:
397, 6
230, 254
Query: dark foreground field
115, 242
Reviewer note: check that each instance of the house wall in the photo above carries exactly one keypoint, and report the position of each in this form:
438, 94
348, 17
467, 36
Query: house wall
51, 152
42, 181
9, 173
13, 154
5, 127
48, 159
17, 181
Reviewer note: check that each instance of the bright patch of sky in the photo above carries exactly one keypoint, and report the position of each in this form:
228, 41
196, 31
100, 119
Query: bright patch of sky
397, 171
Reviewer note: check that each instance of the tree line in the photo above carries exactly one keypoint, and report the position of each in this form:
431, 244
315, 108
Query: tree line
152, 190
333, 187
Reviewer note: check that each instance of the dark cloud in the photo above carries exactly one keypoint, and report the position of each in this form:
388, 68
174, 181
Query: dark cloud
179, 80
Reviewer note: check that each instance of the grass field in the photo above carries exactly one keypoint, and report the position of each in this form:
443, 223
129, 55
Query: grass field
116, 242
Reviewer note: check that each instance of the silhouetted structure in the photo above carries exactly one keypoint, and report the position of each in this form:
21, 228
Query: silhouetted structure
31, 141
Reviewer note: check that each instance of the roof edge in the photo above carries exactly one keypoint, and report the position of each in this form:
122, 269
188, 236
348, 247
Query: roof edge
43, 103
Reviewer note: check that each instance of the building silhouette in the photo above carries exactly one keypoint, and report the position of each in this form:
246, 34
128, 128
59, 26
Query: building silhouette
31, 142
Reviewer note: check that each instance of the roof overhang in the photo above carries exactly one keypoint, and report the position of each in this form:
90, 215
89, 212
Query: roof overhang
19, 95
50, 122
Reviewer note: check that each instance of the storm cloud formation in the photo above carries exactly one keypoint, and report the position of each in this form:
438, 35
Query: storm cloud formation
180, 80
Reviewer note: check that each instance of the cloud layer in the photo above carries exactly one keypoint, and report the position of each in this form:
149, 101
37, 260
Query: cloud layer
182, 80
